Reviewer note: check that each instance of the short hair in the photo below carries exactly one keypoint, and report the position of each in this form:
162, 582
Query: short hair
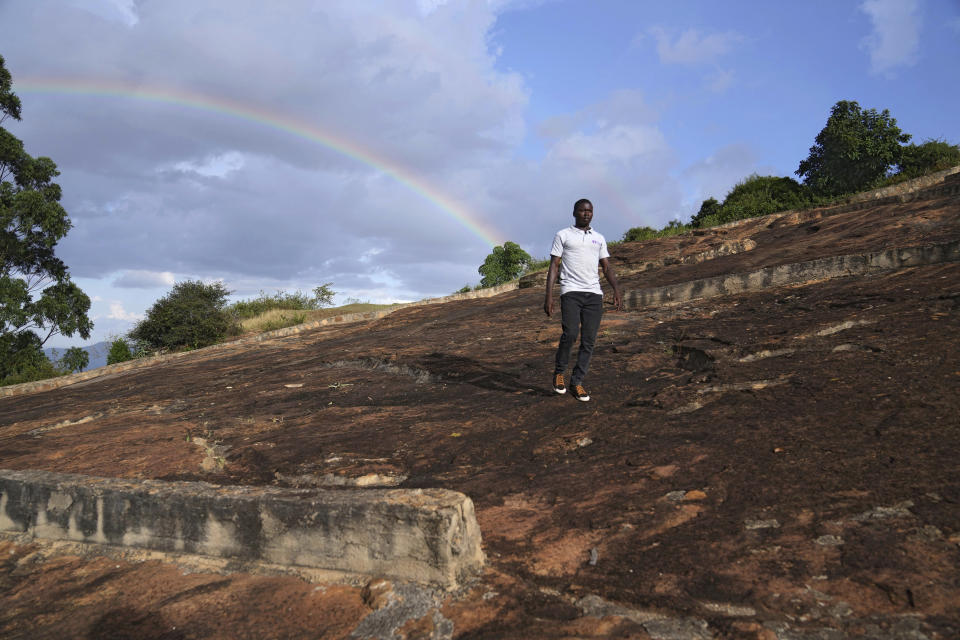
580, 202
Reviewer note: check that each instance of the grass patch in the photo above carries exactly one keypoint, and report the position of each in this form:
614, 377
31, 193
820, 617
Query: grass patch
281, 318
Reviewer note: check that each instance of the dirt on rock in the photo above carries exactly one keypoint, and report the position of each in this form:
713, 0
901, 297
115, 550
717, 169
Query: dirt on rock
780, 463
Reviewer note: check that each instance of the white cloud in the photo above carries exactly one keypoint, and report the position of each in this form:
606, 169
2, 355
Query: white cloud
124, 11
617, 144
142, 279
429, 6
692, 47
117, 312
719, 81
895, 40
215, 166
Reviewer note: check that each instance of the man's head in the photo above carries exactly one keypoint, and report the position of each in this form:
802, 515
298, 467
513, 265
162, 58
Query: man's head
582, 213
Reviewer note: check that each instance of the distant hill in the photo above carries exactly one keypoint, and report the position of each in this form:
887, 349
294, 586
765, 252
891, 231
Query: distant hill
97, 352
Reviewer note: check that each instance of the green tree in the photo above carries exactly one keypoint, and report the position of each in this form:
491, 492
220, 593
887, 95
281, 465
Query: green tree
22, 359
37, 297
192, 315
854, 151
504, 264
119, 351
933, 155
75, 359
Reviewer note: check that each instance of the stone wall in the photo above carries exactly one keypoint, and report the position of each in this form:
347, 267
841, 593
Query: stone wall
430, 536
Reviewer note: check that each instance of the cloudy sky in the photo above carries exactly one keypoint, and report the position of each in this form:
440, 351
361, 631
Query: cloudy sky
386, 146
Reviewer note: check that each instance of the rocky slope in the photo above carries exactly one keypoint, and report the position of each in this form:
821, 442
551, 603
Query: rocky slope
776, 463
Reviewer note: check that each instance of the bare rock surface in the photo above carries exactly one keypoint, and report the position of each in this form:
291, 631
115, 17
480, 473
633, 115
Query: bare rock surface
771, 464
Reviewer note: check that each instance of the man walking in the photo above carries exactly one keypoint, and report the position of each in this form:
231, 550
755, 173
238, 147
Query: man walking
581, 299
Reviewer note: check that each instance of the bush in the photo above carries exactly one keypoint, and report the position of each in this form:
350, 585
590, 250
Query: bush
636, 234
297, 301
760, 195
192, 315
932, 155
537, 264
672, 228
119, 351
709, 208
751, 197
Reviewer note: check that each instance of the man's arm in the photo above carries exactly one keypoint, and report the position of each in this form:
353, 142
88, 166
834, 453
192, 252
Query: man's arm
612, 279
551, 278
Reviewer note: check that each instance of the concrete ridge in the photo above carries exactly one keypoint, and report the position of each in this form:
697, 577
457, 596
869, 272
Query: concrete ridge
140, 363
429, 536
795, 273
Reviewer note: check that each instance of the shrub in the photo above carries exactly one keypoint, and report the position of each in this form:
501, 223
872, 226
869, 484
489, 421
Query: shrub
192, 315
636, 234
751, 197
297, 301
119, 351
709, 208
932, 155
537, 264
672, 228
760, 195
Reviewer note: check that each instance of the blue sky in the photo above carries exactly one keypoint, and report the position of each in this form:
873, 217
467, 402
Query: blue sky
506, 111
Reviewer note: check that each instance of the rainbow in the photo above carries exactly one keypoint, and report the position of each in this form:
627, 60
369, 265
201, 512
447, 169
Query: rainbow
280, 122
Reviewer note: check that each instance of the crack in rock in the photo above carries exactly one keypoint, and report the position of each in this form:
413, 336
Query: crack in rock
63, 424
333, 480
375, 364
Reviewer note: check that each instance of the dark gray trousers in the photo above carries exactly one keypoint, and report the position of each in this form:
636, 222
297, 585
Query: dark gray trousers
580, 312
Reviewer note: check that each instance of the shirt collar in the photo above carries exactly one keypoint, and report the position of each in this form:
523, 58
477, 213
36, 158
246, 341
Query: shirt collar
577, 229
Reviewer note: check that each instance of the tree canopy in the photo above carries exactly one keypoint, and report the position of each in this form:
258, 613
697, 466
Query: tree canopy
504, 264
37, 297
854, 151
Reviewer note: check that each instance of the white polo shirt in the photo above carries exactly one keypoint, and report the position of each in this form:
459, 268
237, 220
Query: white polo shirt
581, 252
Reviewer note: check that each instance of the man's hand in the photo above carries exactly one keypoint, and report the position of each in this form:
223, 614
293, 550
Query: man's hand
548, 306
612, 279
551, 278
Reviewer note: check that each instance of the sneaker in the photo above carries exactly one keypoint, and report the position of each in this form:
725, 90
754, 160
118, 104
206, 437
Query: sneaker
580, 393
558, 385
